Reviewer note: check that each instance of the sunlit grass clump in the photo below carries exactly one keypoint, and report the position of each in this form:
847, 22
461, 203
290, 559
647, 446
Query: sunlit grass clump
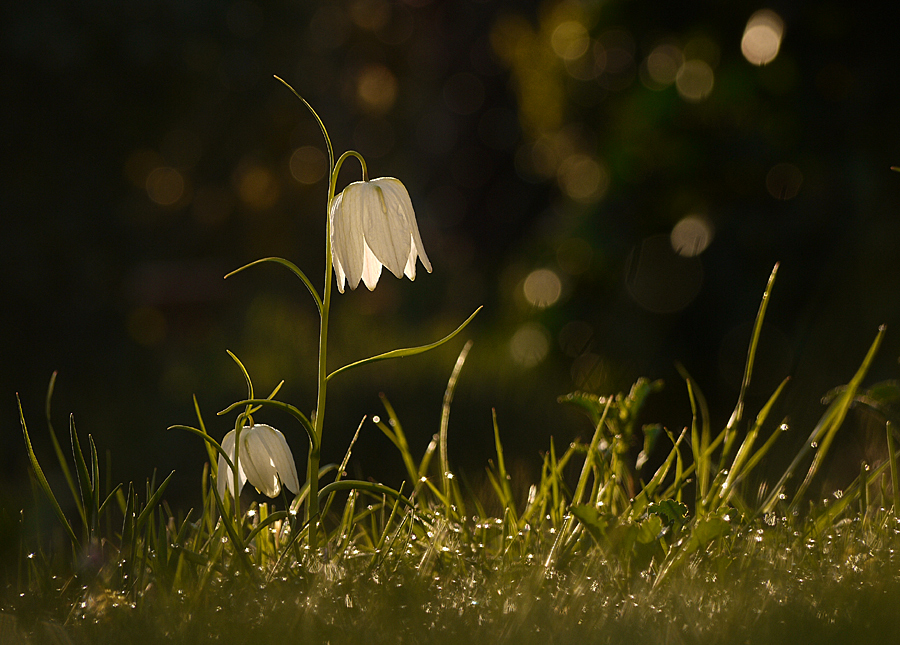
686, 542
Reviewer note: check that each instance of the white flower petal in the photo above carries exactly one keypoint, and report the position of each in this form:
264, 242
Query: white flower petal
386, 224
280, 454
371, 268
373, 225
418, 248
225, 477
410, 269
346, 235
259, 465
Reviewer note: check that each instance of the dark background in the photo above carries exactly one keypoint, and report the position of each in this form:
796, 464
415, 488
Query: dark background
147, 151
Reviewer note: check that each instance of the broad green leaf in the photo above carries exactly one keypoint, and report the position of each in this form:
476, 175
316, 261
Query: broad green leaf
649, 529
669, 510
593, 520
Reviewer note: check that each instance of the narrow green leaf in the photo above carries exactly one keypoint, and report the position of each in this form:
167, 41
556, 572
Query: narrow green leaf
42, 480
271, 519
742, 457
402, 353
209, 440
843, 403
244, 372
394, 432
84, 480
112, 495
369, 487
643, 499
445, 415
895, 482
210, 450
737, 414
152, 502
507, 500
284, 407
95, 486
578, 496
294, 269
318, 120
60, 455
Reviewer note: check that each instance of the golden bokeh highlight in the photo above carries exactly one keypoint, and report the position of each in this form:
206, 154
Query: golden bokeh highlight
139, 164
376, 89
529, 345
583, 178
308, 164
695, 80
256, 186
661, 66
783, 181
371, 15
165, 186
542, 288
762, 37
539, 88
570, 40
691, 235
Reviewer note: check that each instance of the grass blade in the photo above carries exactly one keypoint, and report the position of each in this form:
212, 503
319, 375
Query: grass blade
42, 480
60, 456
895, 483
445, 416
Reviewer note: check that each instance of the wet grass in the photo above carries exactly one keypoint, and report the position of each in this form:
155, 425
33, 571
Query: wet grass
603, 548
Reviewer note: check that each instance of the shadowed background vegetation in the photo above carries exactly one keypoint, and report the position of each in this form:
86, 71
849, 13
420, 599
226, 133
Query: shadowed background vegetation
613, 181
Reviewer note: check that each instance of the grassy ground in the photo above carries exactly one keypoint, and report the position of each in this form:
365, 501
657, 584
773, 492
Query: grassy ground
602, 549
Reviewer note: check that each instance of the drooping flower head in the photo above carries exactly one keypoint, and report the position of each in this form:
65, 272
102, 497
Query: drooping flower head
265, 460
373, 225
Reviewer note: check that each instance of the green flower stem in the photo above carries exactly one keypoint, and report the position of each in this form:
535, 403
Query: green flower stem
334, 174
236, 496
312, 468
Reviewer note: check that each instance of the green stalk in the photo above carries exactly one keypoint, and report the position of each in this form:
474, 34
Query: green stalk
312, 473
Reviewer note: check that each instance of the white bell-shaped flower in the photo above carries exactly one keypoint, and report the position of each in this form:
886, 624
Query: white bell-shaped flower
373, 225
265, 460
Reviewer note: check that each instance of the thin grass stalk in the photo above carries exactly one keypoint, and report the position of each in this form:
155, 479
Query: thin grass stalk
341, 471
895, 482
63, 464
742, 458
839, 409
445, 416
504, 491
578, 495
738, 413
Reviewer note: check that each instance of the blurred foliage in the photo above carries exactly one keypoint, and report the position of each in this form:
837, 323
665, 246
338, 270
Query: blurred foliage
148, 152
